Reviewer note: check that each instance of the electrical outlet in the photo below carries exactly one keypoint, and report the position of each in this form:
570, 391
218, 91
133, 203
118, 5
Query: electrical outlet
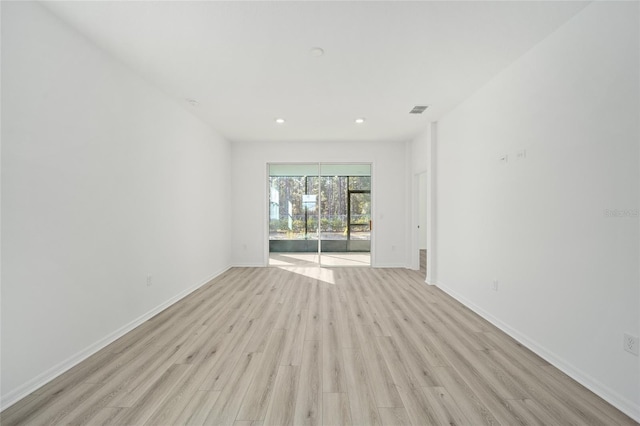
630, 343
149, 281
494, 285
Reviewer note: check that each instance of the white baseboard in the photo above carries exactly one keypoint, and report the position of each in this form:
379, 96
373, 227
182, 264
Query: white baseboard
40, 380
391, 266
625, 405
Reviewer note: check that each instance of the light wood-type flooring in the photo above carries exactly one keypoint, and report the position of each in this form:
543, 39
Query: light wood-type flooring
313, 346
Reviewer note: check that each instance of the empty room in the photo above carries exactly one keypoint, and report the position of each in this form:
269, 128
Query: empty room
320, 213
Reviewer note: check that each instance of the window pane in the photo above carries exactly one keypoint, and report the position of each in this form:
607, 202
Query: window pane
360, 183
292, 207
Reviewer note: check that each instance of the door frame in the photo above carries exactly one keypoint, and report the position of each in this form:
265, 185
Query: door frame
266, 205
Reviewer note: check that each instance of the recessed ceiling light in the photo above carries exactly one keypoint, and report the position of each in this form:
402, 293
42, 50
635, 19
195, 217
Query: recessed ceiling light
359, 120
193, 102
317, 51
280, 120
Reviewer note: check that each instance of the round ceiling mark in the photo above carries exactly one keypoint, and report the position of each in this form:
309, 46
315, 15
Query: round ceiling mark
317, 51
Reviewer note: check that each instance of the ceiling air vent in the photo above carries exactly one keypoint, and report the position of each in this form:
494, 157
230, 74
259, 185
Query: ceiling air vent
418, 109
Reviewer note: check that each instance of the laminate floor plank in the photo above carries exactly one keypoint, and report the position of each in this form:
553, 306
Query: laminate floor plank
79, 373
585, 398
415, 402
507, 345
446, 409
195, 349
539, 413
353, 292
60, 407
414, 355
528, 415
179, 397
228, 403
302, 345
377, 305
486, 387
394, 416
288, 306
472, 406
333, 379
421, 338
384, 389
282, 407
329, 302
527, 373
582, 403
20, 412
107, 415
138, 355
256, 401
294, 342
197, 409
229, 356
305, 297
364, 410
309, 397
153, 398
265, 327
449, 325
117, 385
346, 320
314, 321
149, 374
335, 409
247, 423
399, 301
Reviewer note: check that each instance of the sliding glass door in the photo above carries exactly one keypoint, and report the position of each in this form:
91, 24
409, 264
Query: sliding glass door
320, 209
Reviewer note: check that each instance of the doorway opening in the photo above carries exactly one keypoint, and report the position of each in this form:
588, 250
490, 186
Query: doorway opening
319, 214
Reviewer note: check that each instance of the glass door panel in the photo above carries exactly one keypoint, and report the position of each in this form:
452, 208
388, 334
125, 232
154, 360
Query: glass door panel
359, 228
345, 219
333, 218
293, 208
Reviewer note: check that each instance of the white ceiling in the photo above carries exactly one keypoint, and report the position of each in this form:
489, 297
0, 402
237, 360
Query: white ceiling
247, 63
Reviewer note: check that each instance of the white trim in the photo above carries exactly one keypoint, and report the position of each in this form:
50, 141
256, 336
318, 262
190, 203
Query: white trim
432, 208
614, 398
249, 265
373, 195
60, 368
392, 266
414, 252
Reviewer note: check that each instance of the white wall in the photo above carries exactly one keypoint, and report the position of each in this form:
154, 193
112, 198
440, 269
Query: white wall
568, 274
422, 211
420, 151
104, 180
389, 197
